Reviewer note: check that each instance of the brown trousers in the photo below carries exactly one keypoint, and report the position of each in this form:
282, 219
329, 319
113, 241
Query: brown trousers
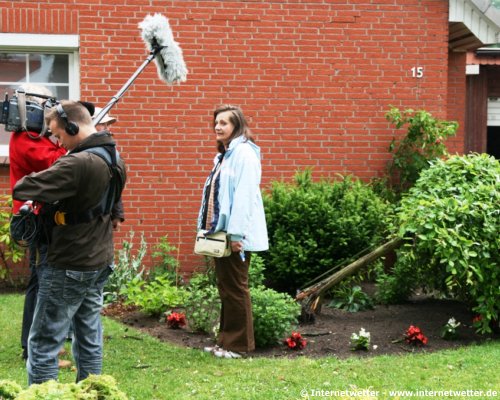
236, 320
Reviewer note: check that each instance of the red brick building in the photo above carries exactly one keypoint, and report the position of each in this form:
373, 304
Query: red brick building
315, 79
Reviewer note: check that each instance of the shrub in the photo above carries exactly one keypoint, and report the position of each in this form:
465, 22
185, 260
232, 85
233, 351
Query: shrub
166, 264
256, 271
202, 306
9, 389
424, 142
93, 387
155, 297
126, 269
453, 215
274, 315
314, 226
9, 250
351, 299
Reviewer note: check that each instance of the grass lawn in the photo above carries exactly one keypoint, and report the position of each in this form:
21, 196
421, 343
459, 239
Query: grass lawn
148, 369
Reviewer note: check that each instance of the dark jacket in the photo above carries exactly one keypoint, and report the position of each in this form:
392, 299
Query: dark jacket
77, 182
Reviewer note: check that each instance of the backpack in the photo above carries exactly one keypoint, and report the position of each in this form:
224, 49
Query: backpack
34, 222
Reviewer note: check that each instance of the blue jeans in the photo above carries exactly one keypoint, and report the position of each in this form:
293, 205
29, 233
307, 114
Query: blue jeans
65, 296
38, 259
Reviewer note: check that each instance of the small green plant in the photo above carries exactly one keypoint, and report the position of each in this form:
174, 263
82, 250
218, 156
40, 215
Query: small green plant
166, 263
424, 142
202, 303
9, 390
256, 271
449, 331
128, 268
351, 299
93, 387
9, 250
154, 297
361, 340
274, 315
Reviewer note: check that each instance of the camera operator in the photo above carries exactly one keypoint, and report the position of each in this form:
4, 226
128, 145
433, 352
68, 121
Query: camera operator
80, 253
31, 152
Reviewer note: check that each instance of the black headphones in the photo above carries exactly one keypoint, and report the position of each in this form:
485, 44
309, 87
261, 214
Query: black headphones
70, 127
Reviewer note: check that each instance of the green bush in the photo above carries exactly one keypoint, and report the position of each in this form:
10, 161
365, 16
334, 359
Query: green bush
313, 226
9, 389
274, 315
127, 268
95, 387
9, 250
453, 214
166, 263
351, 299
423, 142
202, 304
155, 297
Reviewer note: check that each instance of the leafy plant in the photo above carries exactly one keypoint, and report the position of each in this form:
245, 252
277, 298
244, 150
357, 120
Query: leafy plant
424, 142
351, 299
155, 297
361, 340
452, 214
167, 264
9, 389
274, 314
256, 271
397, 286
202, 303
93, 387
9, 250
128, 268
313, 226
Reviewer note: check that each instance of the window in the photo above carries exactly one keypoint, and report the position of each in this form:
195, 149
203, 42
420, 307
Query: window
55, 64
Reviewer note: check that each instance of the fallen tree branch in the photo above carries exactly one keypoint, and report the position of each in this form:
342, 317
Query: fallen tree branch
309, 298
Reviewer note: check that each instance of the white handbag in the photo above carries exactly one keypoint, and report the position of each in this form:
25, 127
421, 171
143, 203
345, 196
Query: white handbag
213, 245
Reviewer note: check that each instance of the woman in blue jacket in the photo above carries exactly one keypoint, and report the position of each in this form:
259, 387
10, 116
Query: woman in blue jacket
232, 202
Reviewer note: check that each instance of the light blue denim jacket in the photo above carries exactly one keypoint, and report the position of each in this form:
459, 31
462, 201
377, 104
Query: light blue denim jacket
241, 212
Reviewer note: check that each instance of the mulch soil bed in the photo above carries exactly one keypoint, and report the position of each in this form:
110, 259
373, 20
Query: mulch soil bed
330, 334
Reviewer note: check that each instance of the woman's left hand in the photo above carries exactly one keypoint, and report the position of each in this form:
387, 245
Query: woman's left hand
236, 247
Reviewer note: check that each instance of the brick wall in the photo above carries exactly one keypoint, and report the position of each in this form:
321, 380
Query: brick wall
314, 78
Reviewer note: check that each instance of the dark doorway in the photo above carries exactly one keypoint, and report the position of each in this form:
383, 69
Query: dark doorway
493, 141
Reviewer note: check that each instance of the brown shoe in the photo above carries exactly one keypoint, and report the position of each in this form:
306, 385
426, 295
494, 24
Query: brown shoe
64, 364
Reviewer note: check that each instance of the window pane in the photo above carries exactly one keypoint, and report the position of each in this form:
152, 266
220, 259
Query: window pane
45, 68
12, 67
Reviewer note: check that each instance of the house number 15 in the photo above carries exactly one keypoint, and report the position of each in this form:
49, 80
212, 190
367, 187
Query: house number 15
417, 72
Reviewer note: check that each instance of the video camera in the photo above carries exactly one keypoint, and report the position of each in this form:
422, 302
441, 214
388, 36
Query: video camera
19, 114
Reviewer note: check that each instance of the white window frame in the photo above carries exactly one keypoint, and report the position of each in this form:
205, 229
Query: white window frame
45, 43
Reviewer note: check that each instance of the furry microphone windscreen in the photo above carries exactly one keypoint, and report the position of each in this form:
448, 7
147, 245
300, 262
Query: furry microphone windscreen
156, 32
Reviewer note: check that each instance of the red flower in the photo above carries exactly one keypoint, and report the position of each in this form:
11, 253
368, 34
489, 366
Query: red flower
477, 319
415, 336
295, 341
176, 320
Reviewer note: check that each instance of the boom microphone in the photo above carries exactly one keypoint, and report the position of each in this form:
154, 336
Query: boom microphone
162, 48
156, 33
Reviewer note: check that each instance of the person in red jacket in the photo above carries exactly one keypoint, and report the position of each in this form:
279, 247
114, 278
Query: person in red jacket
31, 152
